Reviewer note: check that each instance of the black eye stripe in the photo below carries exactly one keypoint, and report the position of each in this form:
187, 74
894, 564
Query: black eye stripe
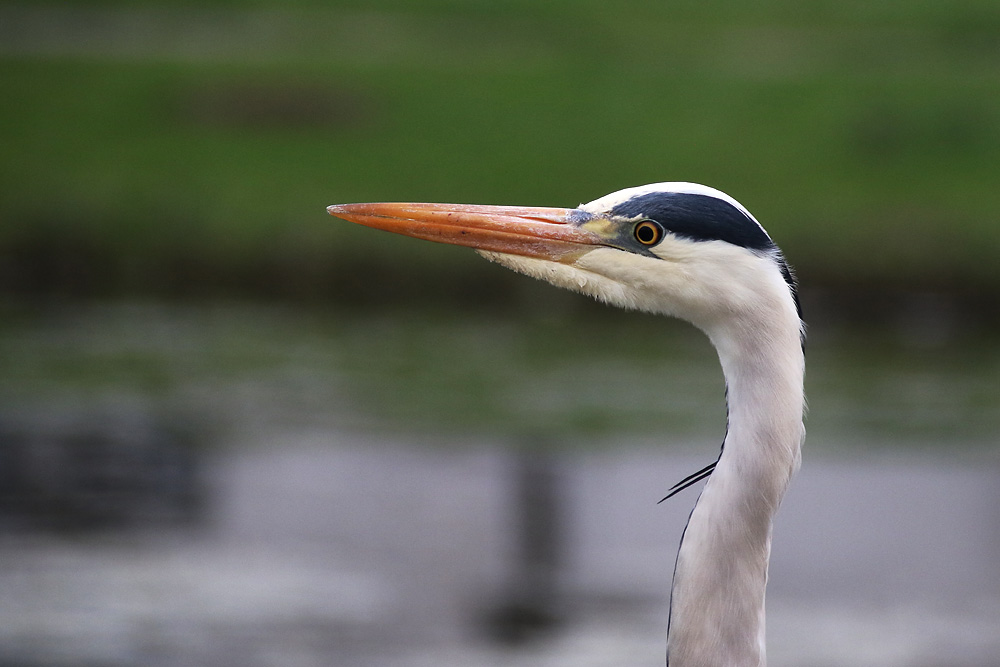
696, 217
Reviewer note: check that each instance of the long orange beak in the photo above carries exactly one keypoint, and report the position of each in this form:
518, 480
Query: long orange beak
548, 233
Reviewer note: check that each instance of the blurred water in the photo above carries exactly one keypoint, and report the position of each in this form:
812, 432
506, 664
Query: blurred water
324, 548
300, 528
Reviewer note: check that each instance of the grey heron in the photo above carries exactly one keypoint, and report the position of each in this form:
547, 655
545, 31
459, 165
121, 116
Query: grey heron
692, 252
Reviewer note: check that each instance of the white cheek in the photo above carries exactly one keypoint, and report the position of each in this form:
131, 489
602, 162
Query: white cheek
670, 286
711, 284
704, 282
576, 276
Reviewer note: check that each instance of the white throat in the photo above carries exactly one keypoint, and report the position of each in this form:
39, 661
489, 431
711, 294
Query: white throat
717, 600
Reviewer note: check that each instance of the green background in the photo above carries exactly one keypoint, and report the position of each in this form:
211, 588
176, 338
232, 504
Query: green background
168, 148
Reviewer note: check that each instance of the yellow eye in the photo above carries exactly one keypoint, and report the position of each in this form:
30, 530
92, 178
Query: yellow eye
648, 233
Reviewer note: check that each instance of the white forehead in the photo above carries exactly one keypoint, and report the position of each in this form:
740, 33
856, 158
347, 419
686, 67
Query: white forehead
608, 202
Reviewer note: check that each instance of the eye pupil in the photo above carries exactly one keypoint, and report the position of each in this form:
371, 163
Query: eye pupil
647, 233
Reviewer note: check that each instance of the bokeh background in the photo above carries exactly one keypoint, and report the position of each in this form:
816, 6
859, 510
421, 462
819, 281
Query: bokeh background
236, 431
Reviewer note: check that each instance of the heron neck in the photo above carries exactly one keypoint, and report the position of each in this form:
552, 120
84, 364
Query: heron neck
717, 600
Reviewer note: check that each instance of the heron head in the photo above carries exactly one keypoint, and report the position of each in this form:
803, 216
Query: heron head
675, 248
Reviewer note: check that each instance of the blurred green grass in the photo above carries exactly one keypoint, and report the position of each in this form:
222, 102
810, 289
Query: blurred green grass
148, 144
579, 380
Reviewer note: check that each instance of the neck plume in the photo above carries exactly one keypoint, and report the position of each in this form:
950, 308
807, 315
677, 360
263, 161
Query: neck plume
717, 600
